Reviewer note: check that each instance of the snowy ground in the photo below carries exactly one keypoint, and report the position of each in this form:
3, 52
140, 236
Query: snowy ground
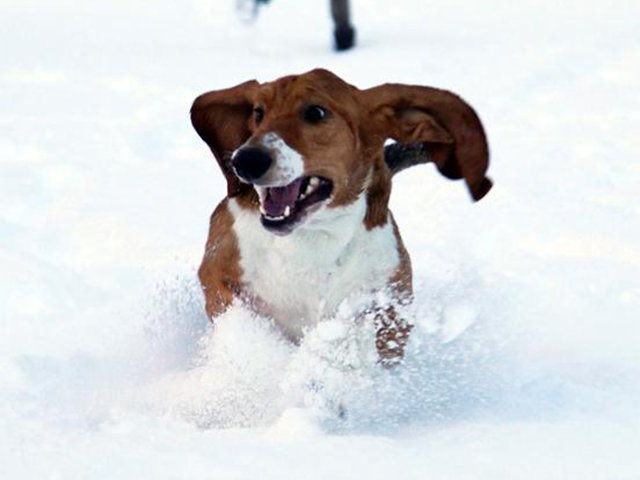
525, 362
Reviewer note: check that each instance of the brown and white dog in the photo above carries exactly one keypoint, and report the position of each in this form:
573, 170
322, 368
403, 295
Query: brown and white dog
306, 222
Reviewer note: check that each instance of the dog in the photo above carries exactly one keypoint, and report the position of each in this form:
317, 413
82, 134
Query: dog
306, 221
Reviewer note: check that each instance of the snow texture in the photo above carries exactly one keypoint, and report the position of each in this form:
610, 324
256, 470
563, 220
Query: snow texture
524, 361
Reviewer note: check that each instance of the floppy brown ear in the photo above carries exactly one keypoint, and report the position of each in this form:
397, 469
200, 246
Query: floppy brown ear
431, 125
221, 118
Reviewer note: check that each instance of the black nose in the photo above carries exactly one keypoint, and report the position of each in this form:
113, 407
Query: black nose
251, 163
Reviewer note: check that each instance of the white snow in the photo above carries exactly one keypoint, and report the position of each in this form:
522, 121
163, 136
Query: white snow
524, 362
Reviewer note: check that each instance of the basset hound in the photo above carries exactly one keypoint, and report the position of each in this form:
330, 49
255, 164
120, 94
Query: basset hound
306, 222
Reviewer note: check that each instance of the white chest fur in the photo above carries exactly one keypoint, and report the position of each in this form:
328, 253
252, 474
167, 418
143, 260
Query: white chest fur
304, 276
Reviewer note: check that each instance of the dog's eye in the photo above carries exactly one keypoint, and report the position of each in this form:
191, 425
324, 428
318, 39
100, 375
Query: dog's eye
258, 114
315, 114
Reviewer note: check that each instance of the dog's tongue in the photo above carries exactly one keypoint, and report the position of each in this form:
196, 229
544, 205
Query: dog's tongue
279, 198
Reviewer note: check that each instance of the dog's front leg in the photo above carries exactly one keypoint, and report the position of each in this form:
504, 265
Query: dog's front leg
392, 335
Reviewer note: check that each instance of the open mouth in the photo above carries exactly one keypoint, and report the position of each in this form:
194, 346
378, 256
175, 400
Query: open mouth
281, 208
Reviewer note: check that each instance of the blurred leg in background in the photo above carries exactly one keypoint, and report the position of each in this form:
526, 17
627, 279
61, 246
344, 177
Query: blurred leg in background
344, 33
249, 9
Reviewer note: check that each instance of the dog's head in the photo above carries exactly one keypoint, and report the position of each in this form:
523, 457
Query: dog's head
311, 141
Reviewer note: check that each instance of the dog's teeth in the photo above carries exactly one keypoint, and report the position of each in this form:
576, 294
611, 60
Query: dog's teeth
287, 211
262, 210
312, 185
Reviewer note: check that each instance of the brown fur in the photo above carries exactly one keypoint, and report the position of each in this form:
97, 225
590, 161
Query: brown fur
220, 271
346, 150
